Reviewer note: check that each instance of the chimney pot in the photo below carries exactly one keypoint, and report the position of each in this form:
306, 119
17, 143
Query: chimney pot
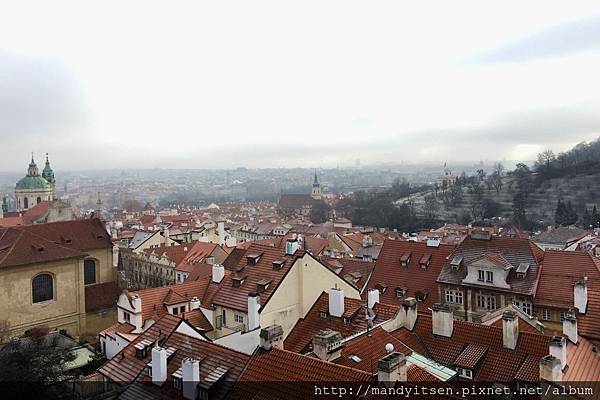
442, 320
392, 368
372, 298
336, 302
190, 371
271, 336
570, 327
558, 349
253, 307
510, 329
218, 273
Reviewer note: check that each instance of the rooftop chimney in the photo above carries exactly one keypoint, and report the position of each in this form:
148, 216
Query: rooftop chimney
136, 303
327, 345
271, 336
372, 298
580, 295
115, 256
409, 305
442, 320
510, 329
159, 365
194, 303
558, 349
570, 327
190, 372
291, 246
391, 369
550, 369
253, 307
218, 272
336, 302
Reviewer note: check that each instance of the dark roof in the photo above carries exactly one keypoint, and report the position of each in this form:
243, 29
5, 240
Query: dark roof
389, 271
82, 235
514, 251
101, 295
560, 236
234, 258
296, 201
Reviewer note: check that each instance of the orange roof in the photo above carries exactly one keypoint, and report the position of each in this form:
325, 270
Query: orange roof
583, 362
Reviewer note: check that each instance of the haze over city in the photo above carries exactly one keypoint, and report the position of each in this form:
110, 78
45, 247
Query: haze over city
264, 84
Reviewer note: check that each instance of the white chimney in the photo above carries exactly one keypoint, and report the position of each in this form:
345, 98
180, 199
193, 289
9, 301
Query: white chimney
291, 246
550, 369
580, 295
336, 302
558, 349
218, 273
115, 256
271, 336
159, 365
410, 310
510, 329
391, 369
190, 373
442, 320
166, 235
194, 303
253, 315
372, 298
570, 327
221, 232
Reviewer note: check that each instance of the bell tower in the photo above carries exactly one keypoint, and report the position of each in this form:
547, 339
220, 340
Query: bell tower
316, 189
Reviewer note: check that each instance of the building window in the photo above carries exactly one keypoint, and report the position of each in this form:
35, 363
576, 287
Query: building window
524, 306
89, 272
465, 373
489, 276
562, 316
177, 383
481, 275
400, 293
454, 296
126, 316
39, 200
546, 314
25, 203
175, 310
182, 309
487, 302
238, 318
42, 288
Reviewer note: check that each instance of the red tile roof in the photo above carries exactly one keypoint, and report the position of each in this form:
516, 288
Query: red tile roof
389, 271
82, 235
237, 297
300, 337
588, 324
560, 270
353, 270
497, 364
583, 361
101, 295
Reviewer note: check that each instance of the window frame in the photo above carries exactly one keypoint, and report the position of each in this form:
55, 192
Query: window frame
85, 272
52, 288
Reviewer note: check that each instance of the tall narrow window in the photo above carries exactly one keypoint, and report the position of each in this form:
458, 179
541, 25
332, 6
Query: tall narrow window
42, 288
89, 272
39, 200
25, 203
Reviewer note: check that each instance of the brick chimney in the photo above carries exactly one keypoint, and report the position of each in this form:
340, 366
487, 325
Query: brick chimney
253, 307
372, 298
190, 373
159, 365
550, 369
327, 345
336, 302
580, 295
271, 336
510, 329
442, 320
391, 369
558, 349
570, 327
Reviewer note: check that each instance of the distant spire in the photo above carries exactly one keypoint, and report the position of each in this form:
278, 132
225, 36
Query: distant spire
316, 180
33, 162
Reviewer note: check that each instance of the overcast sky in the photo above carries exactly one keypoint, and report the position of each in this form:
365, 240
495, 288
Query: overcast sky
281, 84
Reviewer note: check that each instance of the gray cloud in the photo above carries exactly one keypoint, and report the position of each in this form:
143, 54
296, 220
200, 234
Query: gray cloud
559, 41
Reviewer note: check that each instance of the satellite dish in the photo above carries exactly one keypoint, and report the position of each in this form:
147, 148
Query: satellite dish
389, 348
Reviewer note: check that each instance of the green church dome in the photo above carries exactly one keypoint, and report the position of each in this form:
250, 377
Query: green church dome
32, 182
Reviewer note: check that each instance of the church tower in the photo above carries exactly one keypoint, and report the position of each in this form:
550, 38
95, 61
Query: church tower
48, 175
316, 189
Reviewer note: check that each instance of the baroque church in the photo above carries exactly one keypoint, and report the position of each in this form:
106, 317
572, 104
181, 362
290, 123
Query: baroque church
35, 188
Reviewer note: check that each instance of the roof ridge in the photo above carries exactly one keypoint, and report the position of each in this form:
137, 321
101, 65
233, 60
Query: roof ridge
12, 246
318, 360
51, 242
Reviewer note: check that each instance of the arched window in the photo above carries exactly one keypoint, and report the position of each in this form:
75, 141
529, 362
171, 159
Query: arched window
89, 272
39, 200
42, 288
25, 202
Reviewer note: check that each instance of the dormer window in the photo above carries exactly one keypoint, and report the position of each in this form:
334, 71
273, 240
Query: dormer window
237, 281
481, 275
346, 320
405, 259
382, 287
253, 258
489, 276
420, 296
401, 292
456, 262
522, 270
424, 261
465, 373
262, 285
278, 264
323, 314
